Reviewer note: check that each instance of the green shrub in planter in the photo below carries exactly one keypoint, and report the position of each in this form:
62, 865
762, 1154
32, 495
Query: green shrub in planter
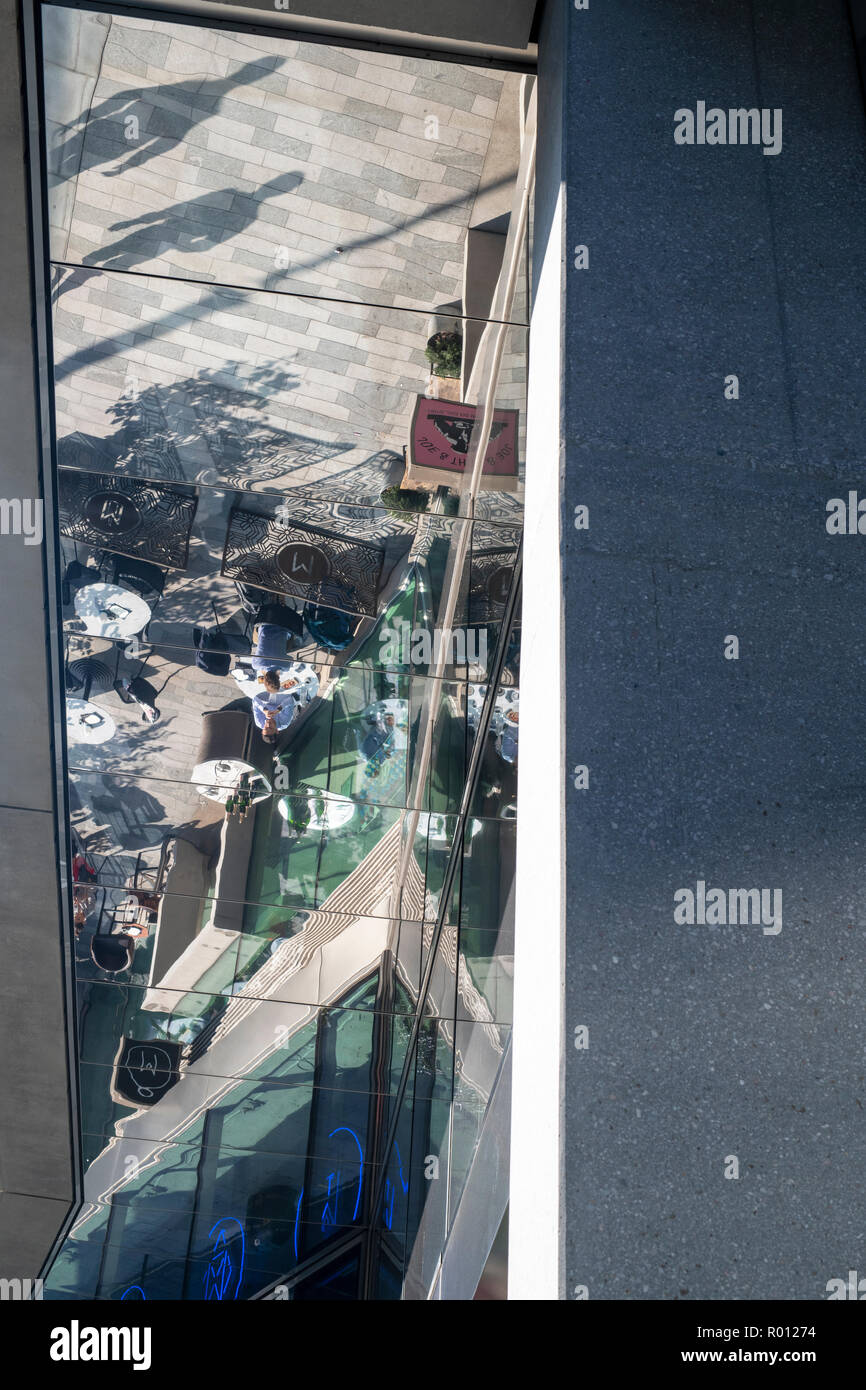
405, 499
451, 504
444, 352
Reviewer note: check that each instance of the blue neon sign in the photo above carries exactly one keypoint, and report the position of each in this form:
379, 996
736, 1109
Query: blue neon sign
336, 1189
298, 1219
391, 1190
344, 1129
224, 1273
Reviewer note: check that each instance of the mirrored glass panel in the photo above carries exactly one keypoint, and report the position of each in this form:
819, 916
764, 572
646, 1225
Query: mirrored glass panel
289, 307
237, 158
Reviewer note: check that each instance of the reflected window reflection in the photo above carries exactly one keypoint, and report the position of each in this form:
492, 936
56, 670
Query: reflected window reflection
290, 511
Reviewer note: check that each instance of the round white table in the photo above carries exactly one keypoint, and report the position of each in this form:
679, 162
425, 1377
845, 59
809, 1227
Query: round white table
506, 708
107, 610
220, 778
300, 671
87, 723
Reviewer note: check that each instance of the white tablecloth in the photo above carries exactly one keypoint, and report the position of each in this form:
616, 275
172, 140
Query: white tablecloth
81, 722
219, 777
93, 605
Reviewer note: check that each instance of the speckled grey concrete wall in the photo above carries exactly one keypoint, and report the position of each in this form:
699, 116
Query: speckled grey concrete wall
36, 1177
714, 1050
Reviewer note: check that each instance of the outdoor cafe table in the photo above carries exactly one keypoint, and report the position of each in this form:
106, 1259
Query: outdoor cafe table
220, 777
87, 723
107, 610
506, 708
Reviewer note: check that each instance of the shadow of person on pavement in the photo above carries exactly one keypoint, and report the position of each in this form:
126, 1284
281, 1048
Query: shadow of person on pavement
194, 226
165, 115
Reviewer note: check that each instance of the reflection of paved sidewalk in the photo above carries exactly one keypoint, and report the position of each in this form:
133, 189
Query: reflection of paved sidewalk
390, 151
358, 170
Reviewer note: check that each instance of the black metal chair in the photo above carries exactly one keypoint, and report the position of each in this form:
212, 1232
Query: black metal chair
143, 578
112, 953
281, 615
213, 647
251, 598
330, 627
139, 575
75, 577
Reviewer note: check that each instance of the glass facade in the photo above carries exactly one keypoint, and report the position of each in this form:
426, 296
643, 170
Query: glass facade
290, 348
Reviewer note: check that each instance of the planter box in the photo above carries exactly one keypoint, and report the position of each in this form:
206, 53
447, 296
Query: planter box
445, 388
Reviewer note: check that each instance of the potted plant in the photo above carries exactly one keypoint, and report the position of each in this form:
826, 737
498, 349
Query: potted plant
444, 352
405, 499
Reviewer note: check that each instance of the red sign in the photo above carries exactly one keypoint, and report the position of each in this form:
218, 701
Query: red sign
441, 437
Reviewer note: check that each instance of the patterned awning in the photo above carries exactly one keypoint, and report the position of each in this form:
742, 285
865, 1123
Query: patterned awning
127, 516
303, 562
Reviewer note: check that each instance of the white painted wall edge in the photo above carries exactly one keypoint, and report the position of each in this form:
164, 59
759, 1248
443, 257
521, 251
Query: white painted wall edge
535, 1231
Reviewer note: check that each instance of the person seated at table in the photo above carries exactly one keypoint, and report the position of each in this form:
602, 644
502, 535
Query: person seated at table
82, 869
271, 647
380, 735
82, 905
290, 683
273, 708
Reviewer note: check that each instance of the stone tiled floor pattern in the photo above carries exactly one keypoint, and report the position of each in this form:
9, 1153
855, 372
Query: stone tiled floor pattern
215, 156
315, 389
344, 178
337, 381
278, 163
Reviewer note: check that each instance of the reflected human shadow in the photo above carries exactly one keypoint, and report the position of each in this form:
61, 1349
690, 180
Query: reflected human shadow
99, 135
194, 226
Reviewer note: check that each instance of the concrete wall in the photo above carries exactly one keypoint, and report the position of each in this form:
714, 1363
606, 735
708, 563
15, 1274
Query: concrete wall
709, 1044
507, 23
35, 1143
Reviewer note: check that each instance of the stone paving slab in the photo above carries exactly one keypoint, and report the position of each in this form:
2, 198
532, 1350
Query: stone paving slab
186, 130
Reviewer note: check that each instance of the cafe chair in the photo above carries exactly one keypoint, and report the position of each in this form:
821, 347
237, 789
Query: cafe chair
76, 576
329, 627
112, 954
213, 647
281, 616
252, 600
144, 579
271, 644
